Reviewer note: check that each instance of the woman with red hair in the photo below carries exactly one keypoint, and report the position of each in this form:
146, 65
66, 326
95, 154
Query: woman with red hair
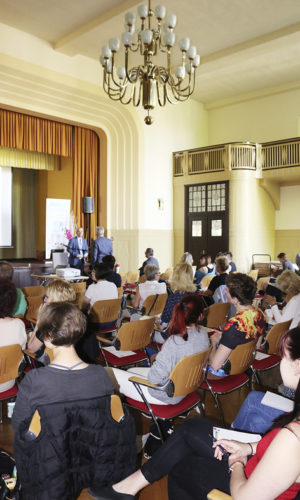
185, 337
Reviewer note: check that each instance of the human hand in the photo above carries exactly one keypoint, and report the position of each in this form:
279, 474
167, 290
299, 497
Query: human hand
270, 300
238, 451
78, 256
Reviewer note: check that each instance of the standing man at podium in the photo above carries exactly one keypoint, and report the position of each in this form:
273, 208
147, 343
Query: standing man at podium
102, 245
78, 250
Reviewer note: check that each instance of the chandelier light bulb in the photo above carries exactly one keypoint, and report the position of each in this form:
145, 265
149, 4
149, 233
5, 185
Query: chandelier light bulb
106, 52
165, 28
108, 66
171, 20
192, 52
130, 18
114, 44
102, 60
189, 68
160, 12
127, 39
143, 11
169, 39
147, 36
121, 72
184, 44
179, 72
196, 61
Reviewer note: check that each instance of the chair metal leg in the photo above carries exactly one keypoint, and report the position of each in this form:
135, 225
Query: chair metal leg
1, 410
155, 420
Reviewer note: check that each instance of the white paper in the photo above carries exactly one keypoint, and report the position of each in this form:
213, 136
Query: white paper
243, 437
119, 354
278, 402
261, 355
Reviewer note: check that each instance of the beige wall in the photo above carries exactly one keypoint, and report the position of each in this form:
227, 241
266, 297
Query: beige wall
287, 225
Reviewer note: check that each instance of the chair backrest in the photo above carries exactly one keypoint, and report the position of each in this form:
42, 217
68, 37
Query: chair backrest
135, 334
219, 295
79, 287
10, 358
275, 335
104, 311
33, 291
142, 279
79, 299
132, 277
253, 274
49, 353
155, 304
123, 277
241, 357
33, 305
120, 292
217, 314
206, 280
262, 281
188, 374
167, 275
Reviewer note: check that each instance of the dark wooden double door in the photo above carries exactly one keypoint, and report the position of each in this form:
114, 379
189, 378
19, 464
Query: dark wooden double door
206, 219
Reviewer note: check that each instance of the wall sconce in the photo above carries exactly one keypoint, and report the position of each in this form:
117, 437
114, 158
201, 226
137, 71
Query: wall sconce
161, 203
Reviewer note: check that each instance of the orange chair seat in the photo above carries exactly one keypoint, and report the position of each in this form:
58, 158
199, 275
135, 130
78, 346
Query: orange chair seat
265, 363
10, 393
125, 360
167, 411
226, 384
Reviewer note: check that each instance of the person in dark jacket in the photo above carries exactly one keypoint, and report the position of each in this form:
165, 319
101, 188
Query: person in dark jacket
114, 277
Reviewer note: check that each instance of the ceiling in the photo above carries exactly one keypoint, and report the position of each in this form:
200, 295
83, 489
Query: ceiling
245, 45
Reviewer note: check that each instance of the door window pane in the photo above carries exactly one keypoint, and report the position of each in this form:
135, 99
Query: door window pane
216, 227
197, 228
197, 199
215, 197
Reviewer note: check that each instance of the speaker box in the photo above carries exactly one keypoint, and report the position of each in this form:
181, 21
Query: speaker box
88, 205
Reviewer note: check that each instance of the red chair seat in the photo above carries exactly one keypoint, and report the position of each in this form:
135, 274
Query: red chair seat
226, 384
126, 360
167, 411
155, 345
10, 393
104, 330
265, 363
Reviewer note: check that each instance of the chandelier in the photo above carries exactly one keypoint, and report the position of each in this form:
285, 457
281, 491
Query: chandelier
149, 83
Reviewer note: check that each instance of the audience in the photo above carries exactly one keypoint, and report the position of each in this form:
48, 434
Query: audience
206, 268
55, 291
12, 330
149, 260
289, 283
102, 289
196, 464
185, 337
286, 264
7, 272
113, 277
231, 263
187, 258
247, 324
216, 288
150, 287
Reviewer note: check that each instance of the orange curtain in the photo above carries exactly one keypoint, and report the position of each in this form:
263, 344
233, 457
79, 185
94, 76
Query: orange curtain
85, 174
35, 134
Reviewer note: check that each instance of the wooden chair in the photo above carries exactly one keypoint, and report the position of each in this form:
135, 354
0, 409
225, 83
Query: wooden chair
79, 287
240, 360
216, 314
154, 304
132, 277
120, 292
142, 279
133, 336
10, 359
167, 275
123, 277
184, 380
270, 347
31, 356
206, 280
33, 291
262, 281
33, 304
218, 495
105, 311
253, 274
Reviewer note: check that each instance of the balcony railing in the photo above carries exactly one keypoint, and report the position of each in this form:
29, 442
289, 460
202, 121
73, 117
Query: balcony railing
280, 155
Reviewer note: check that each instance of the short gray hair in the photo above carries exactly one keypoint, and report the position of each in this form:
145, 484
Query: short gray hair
150, 271
100, 230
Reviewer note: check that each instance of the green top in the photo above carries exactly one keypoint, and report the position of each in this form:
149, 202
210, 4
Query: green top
21, 304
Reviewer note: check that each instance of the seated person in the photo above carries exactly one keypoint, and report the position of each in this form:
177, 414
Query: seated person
289, 283
286, 263
268, 469
216, 288
12, 330
7, 272
55, 291
77, 386
203, 269
187, 258
210, 265
113, 277
101, 290
149, 260
185, 337
247, 324
150, 287
232, 265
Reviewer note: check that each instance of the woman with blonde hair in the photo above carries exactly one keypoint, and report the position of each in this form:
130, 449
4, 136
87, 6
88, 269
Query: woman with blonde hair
55, 291
289, 283
187, 258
